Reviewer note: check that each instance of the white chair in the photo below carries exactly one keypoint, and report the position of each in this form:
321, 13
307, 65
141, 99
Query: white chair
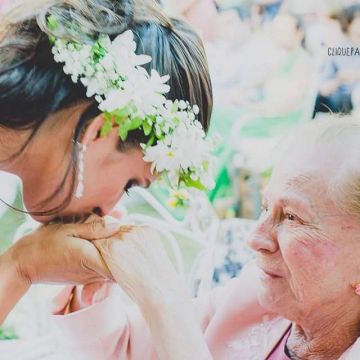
200, 225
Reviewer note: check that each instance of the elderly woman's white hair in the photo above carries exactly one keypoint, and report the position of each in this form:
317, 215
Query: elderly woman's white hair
344, 188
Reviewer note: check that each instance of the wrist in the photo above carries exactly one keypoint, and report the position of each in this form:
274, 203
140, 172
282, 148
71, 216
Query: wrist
11, 267
13, 285
17, 258
161, 298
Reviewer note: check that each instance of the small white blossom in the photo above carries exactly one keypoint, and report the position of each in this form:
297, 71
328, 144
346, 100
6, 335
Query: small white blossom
116, 79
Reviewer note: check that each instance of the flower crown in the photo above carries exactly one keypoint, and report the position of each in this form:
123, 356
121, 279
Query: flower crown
131, 98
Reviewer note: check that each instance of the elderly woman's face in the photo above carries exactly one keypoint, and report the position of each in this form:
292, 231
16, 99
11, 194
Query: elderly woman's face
308, 247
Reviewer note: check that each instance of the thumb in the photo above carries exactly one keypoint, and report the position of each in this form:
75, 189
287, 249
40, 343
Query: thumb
96, 228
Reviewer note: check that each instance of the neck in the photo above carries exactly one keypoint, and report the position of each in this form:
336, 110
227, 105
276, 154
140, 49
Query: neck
324, 337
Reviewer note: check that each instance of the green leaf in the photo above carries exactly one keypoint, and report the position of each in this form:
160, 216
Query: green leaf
108, 116
151, 140
52, 23
106, 128
124, 129
147, 128
123, 133
52, 39
98, 51
206, 165
136, 123
124, 112
192, 183
119, 120
78, 46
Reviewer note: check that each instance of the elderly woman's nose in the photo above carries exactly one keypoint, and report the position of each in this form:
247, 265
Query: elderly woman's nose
263, 239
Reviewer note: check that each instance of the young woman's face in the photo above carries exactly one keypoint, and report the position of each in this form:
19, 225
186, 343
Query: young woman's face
108, 173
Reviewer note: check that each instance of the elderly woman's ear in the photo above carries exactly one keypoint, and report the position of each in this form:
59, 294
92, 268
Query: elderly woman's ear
357, 289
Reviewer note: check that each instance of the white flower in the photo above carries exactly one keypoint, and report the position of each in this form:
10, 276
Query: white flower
157, 82
115, 99
123, 48
112, 73
162, 157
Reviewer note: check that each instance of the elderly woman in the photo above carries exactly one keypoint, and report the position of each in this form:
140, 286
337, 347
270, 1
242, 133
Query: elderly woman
300, 301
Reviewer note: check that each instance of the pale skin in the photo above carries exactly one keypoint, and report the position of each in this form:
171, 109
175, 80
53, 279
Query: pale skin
308, 247
41, 167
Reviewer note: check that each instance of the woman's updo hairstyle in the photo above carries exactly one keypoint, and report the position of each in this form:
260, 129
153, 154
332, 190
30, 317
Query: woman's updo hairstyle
33, 86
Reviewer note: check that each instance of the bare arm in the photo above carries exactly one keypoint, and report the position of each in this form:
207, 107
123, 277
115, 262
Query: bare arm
175, 331
141, 267
12, 286
52, 254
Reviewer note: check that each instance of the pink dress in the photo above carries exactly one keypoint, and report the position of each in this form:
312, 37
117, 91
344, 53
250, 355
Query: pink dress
234, 325
279, 351
234, 328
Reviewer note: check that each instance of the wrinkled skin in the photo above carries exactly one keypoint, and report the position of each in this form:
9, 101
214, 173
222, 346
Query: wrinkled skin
308, 247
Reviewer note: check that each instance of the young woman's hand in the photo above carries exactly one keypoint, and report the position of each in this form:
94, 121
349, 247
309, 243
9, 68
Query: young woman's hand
59, 253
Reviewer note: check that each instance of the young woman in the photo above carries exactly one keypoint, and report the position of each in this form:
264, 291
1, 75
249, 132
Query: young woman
52, 130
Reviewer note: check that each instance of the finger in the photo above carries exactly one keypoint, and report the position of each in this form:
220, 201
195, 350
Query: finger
96, 228
92, 261
124, 230
88, 293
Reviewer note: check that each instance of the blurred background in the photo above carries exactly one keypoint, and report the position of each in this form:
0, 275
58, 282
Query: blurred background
275, 65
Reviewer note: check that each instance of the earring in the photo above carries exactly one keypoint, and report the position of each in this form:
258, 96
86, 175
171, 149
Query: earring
80, 187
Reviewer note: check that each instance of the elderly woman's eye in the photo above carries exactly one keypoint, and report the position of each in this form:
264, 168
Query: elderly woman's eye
290, 217
264, 211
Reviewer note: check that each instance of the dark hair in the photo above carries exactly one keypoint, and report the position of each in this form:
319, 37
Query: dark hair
29, 75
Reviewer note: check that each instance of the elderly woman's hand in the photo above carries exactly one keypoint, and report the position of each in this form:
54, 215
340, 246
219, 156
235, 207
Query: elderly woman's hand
139, 263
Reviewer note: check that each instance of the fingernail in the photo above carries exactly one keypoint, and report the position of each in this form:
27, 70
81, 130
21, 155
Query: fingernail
112, 224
